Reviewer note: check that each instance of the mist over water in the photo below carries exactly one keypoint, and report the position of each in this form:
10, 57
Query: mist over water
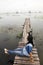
10, 41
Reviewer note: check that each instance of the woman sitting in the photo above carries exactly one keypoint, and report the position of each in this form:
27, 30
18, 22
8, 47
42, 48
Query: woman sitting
25, 51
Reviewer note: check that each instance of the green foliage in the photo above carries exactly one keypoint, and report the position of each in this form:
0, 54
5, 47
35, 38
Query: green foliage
19, 35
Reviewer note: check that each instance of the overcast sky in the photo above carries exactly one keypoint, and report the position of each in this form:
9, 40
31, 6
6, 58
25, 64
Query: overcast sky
21, 5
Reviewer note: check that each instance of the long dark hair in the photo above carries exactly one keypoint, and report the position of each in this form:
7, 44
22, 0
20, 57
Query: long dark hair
30, 38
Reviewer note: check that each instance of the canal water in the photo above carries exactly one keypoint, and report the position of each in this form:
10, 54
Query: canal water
8, 38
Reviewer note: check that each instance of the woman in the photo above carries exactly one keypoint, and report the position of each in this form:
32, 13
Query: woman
25, 51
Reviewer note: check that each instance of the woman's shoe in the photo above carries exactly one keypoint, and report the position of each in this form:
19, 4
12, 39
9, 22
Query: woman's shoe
6, 51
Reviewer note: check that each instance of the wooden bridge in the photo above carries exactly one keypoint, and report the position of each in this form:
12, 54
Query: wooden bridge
25, 60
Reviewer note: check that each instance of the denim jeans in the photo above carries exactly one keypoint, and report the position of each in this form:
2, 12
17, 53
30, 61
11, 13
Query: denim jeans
18, 51
21, 51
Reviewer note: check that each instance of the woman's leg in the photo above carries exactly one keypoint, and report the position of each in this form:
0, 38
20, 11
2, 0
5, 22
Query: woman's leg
18, 51
13, 52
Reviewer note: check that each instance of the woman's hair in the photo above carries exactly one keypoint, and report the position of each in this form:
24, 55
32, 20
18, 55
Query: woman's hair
30, 38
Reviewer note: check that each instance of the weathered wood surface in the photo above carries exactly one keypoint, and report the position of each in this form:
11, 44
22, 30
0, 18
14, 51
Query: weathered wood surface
26, 60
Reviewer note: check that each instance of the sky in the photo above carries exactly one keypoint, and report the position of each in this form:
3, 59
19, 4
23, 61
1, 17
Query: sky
21, 5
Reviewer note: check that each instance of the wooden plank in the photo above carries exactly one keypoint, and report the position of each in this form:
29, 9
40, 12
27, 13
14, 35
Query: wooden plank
27, 59
34, 52
34, 49
21, 44
27, 63
17, 57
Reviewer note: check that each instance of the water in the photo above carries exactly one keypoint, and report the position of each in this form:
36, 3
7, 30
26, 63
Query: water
10, 41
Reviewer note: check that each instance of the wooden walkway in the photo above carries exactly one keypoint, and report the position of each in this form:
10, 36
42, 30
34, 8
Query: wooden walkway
26, 60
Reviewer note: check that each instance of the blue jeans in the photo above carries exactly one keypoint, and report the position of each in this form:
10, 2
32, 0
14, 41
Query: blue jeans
18, 51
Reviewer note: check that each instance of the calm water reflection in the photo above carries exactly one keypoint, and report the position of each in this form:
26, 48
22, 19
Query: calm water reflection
11, 42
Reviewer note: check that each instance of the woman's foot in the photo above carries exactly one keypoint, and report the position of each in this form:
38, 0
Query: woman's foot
6, 51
